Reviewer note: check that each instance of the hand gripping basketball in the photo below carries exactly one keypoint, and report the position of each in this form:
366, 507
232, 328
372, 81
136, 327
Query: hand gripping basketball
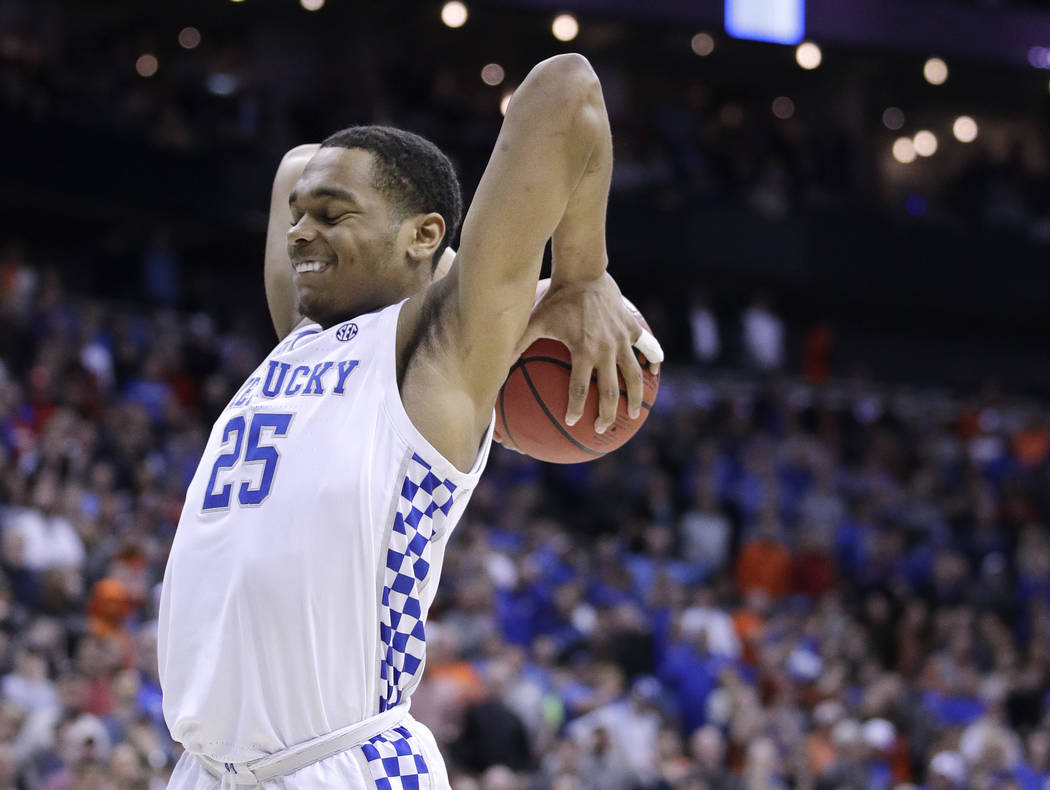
576, 359
569, 318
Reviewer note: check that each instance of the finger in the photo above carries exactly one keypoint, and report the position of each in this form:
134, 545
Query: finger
608, 394
579, 386
650, 348
542, 287
632, 378
444, 263
501, 439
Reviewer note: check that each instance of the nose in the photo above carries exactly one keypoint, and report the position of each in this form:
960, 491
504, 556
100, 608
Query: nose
302, 232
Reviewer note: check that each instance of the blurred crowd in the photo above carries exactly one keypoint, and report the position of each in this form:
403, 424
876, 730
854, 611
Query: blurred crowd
689, 131
784, 581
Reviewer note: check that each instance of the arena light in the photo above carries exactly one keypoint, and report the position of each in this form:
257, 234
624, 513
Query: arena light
904, 150
454, 14
893, 118
777, 21
783, 107
808, 55
146, 65
492, 74
505, 102
935, 71
312, 5
565, 27
925, 143
189, 38
702, 44
965, 129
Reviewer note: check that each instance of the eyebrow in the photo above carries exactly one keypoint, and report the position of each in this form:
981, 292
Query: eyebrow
336, 193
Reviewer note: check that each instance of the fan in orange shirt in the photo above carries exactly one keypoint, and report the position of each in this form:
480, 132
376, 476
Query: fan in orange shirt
764, 562
108, 610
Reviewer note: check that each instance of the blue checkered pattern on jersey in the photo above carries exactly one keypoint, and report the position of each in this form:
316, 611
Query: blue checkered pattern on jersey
394, 764
424, 502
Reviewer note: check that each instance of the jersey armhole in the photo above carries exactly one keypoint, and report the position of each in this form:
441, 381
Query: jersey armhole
386, 359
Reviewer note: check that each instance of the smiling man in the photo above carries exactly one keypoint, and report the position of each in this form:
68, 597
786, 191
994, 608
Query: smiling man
292, 622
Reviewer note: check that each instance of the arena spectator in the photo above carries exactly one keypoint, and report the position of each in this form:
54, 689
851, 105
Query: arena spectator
781, 589
703, 324
764, 563
492, 734
763, 336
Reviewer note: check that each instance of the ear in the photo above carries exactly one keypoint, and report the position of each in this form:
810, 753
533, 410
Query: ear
429, 231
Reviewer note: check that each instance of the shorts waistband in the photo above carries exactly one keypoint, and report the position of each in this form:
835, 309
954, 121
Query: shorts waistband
286, 761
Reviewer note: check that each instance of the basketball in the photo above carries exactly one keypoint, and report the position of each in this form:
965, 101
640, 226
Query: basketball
530, 410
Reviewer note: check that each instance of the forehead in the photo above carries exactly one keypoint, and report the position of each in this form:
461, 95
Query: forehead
348, 169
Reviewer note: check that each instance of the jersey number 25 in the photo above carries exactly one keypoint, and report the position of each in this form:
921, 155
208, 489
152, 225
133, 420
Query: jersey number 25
254, 453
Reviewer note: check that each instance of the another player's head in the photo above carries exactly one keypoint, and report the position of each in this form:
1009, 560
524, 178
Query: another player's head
372, 213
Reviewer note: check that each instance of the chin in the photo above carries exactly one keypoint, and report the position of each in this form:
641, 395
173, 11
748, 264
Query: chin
310, 308
324, 314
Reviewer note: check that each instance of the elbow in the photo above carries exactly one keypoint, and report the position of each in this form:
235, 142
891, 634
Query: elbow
570, 69
295, 159
291, 167
301, 152
565, 83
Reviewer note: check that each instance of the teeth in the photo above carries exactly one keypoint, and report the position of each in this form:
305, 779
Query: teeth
310, 266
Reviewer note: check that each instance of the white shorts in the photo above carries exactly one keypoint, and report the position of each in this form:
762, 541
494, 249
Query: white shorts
403, 758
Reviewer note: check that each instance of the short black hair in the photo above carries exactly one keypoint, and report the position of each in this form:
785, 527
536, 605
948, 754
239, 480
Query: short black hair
411, 171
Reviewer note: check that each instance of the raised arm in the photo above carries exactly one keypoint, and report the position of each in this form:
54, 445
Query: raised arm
277, 271
583, 307
552, 160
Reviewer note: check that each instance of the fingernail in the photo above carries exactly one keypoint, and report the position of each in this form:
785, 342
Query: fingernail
599, 429
571, 420
634, 413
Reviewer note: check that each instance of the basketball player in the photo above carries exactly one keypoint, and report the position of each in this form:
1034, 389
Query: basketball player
312, 537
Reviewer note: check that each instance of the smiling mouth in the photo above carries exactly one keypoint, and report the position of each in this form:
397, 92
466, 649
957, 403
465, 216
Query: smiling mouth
304, 267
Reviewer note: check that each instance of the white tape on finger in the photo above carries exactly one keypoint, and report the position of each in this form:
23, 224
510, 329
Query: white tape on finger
649, 346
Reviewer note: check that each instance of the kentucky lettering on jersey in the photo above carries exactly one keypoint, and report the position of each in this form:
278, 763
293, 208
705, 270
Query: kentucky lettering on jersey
308, 552
301, 380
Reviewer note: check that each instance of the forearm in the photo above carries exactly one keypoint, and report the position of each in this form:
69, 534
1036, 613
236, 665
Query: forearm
578, 243
277, 273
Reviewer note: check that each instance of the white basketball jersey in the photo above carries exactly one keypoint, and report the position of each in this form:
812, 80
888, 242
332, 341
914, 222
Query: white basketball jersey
308, 551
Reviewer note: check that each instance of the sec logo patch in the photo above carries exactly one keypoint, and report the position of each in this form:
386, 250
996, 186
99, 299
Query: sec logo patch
346, 332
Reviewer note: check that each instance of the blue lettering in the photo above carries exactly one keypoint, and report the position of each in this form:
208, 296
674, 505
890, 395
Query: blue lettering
313, 384
246, 392
271, 390
294, 390
303, 380
345, 369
